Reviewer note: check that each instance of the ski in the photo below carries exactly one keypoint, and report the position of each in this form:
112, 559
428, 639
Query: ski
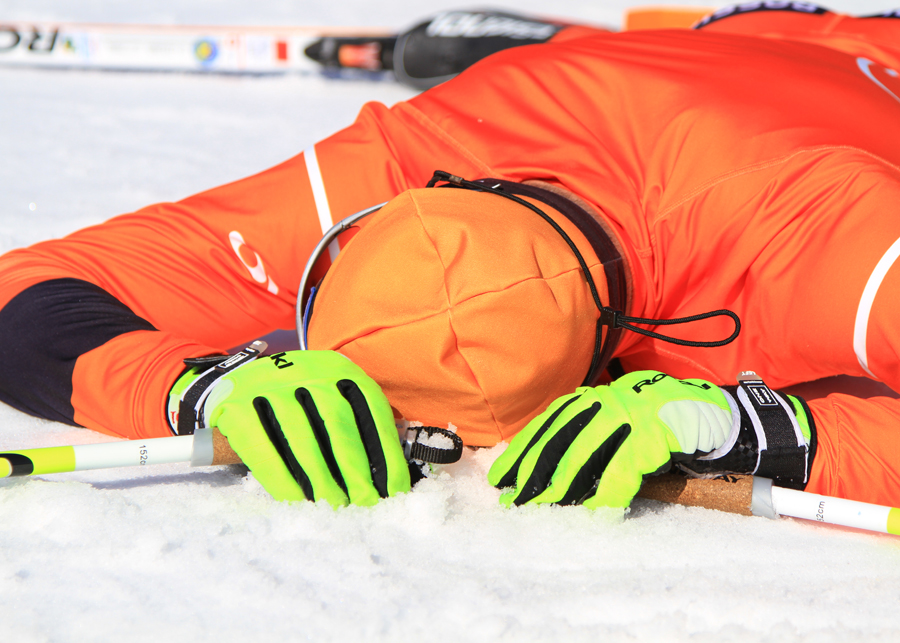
143, 47
436, 49
422, 56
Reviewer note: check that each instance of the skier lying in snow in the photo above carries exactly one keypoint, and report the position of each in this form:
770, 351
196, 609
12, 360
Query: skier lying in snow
662, 174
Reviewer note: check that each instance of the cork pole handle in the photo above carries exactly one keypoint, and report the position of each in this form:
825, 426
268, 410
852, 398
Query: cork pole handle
222, 451
733, 494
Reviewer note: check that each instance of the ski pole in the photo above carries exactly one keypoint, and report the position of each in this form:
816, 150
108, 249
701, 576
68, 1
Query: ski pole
745, 495
204, 448
754, 496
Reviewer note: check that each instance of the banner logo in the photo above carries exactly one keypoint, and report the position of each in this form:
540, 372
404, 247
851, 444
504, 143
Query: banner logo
37, 41
206, 50
457, 24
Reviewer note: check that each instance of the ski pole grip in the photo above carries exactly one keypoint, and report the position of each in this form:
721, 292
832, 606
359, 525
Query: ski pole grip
222, 451
733, 494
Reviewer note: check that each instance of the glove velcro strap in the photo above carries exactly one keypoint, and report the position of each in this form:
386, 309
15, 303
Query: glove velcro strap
187, 415
769, 441
769, 422
782, 447
190, 414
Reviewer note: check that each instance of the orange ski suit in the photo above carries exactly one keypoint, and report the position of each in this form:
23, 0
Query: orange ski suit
756, 174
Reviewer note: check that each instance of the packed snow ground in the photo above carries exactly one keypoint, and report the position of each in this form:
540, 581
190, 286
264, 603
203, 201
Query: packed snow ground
171, 553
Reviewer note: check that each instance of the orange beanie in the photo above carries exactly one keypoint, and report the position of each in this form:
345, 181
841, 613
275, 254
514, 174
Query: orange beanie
466, 307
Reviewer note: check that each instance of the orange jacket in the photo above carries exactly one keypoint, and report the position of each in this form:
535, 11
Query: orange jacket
755, 174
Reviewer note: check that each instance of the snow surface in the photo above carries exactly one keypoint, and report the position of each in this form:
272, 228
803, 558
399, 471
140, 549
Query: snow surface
171, 553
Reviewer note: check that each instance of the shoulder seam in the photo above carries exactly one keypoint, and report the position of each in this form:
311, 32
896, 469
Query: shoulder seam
426, 122
748, 169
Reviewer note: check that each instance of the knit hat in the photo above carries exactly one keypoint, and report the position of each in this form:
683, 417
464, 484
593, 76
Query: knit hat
466, 307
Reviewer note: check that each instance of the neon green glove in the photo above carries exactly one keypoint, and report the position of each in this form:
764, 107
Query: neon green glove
594, 447
309, 425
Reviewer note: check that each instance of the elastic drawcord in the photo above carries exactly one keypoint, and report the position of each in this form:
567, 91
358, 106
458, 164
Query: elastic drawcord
608, 316
615, 319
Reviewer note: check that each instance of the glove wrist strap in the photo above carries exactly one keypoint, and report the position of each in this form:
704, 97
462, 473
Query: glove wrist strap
782, 448
770, 441
190, 401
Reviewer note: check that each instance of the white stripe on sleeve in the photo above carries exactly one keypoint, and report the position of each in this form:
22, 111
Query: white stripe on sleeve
861, 326
320, 197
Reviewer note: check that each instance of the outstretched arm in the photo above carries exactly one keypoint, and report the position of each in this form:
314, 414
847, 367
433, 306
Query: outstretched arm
99, 321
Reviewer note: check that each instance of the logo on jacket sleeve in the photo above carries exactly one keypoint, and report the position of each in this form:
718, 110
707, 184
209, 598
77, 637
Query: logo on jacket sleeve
881, 76
252, 261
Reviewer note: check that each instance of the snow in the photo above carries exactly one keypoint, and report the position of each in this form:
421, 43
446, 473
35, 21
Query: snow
173, 553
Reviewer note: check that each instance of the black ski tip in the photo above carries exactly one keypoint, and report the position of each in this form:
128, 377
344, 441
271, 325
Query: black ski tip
321, 50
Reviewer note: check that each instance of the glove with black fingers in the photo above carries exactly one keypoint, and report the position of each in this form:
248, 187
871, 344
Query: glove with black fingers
595, 446
310, 425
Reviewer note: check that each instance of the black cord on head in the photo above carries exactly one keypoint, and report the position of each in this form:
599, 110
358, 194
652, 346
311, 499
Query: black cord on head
608, 316
471, 185
618, 320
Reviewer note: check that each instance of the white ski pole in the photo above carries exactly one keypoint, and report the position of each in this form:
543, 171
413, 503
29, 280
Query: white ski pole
204, 448
753, 496
746, 495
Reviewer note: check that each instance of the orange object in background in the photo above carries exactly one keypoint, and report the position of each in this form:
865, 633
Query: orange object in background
364, 56
639, 18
